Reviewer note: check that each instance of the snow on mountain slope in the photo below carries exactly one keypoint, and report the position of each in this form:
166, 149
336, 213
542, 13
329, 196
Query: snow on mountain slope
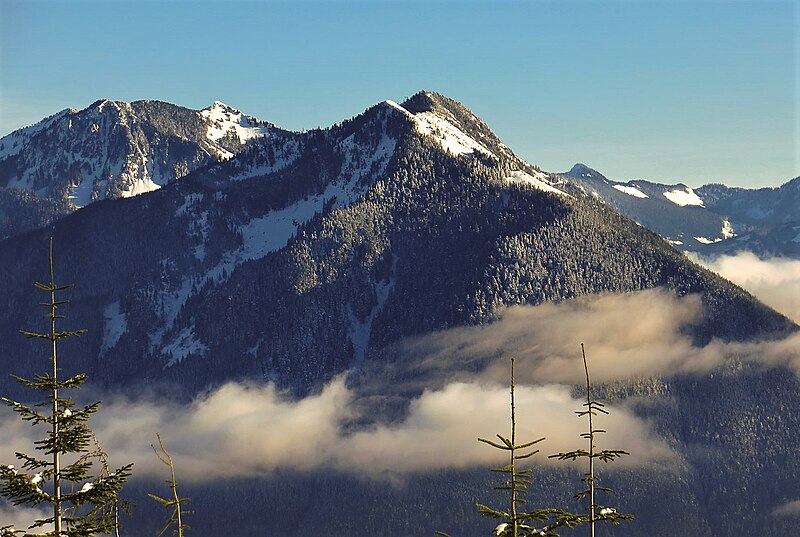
365, 235
447, 135
684, 197
712, 219
114, 149
631, 191
675, 212
539, 180
264, 229
15, 142
452, 139
224, 120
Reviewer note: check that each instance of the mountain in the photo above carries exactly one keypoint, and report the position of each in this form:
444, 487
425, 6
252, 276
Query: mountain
712, 219
111, 150
308, 255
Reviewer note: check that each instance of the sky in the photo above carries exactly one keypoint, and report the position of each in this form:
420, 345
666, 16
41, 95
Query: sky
677, 91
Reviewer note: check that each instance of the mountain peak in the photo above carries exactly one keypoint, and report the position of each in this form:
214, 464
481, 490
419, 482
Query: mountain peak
430, 101
225, 119
430, 108
219, 105
582, 170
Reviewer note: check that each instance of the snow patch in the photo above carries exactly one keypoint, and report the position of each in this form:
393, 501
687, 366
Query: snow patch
182, 345
260, 237
168, 304
727, 229
200, 252
141, 186
360, 331
397, 107
115, 323
273, 231
81, 194
703, 240
632, 191
447, 135
285, 155
684, 197
537, 181
357, 165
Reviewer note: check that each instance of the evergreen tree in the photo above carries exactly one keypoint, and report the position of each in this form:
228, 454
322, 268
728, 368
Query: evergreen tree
594, 511
516, 520
88, 505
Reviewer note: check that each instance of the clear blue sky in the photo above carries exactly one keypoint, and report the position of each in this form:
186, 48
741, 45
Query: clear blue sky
692, 91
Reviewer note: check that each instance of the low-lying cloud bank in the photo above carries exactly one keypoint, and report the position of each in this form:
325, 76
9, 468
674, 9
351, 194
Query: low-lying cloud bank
774, 281
249, 430
626, 336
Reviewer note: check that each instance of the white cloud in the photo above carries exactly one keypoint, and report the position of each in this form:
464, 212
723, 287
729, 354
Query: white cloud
791, 508
23, 517
774, 281
626, 336
443, 426
244, 431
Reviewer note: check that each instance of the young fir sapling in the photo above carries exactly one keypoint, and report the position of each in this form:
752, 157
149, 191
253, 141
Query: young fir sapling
594, 511
516, 521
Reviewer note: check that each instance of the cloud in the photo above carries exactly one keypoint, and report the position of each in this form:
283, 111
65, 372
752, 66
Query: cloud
791, 508
443, 425
626, 336
774, 281
458, 381
236, 430
241, 430
23, 517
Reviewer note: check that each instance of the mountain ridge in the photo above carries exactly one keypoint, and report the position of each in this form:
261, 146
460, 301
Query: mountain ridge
711, 219
317, 253
114, 149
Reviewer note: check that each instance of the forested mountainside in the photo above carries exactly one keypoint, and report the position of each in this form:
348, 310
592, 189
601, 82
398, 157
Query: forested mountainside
311, 254
109, 150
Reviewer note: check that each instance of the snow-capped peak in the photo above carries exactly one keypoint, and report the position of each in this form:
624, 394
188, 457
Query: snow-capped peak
224, 119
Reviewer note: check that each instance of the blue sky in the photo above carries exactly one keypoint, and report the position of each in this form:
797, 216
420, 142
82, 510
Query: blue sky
691, 91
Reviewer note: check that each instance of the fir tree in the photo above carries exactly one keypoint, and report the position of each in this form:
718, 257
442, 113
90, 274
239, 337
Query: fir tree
516, 520
594, 511
88, 506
